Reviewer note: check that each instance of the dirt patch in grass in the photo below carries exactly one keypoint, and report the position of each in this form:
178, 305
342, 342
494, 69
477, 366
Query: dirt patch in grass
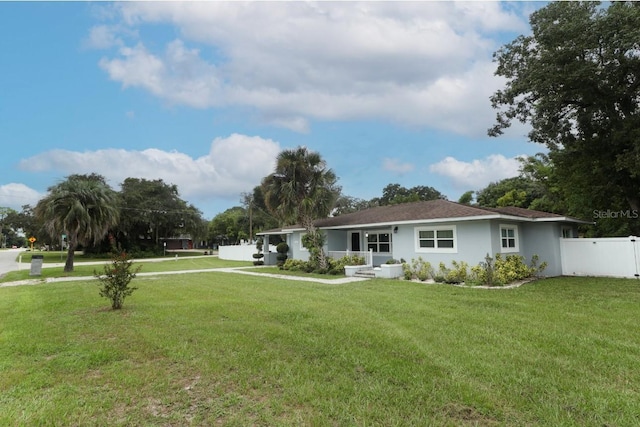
467, 415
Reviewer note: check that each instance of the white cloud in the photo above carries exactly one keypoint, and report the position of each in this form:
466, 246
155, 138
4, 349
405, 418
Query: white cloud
14, 195
233, 165
103, 37
396, 166
417, 63
477, 173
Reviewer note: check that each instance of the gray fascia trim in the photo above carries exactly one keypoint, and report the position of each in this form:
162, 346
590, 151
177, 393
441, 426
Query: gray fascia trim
275, 233
420, 221
457, 219
564, 219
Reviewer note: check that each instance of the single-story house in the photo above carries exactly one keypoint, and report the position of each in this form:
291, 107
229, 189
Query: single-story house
439, 231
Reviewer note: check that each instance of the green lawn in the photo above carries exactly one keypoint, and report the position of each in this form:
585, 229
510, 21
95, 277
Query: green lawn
276, 270
58, 256
227, 349
170, 264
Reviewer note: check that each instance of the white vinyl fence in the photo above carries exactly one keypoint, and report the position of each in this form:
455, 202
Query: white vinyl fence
610, 256
240, 252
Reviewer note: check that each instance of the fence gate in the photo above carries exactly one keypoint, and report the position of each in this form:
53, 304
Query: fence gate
609, 256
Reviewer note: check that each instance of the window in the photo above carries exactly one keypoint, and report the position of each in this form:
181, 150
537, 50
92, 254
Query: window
509, 238
436, 239
302, 248
567, 232
379, 242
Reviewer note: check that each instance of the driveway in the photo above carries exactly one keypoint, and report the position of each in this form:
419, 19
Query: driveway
8, 260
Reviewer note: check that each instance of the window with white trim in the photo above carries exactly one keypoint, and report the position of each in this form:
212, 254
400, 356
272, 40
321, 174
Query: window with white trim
379, 242
509, 238
436, 239
302, 248
567, 232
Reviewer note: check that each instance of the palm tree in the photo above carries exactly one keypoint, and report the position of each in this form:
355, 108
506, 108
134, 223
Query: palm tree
301, 190
83, 206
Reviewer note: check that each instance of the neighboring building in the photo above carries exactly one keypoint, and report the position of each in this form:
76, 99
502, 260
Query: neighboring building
441, 231
177, 243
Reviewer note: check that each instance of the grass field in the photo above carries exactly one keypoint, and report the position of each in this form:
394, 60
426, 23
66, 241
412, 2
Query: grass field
50, 257
170, 264
227, 349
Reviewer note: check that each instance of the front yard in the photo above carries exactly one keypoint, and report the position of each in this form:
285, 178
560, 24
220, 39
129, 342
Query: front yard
220, 348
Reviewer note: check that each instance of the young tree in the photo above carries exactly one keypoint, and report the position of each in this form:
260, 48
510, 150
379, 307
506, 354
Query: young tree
83, 206
576, 80
115, 279
300, 190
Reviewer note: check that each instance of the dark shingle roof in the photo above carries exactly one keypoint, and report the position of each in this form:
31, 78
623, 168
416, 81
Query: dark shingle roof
425, 211
429, 210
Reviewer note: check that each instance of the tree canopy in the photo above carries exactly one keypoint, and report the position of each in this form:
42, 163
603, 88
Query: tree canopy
576, 81
394, 194
302, 188
153, 209
83, 207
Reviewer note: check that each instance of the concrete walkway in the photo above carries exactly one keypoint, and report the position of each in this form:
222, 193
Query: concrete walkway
237, 270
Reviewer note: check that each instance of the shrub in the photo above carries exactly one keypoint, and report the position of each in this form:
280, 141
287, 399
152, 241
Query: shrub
282, 248
336, 267
499, 271
297, 265
407, 272
258, 258
419, 269
457, 274
114, 282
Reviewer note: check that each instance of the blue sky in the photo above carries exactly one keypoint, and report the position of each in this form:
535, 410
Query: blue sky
205, 95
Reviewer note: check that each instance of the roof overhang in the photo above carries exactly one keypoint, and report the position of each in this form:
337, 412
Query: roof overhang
502, 217
278, 232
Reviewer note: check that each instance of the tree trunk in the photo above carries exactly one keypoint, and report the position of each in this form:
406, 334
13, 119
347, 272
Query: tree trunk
634, 204
318, 243
71, 251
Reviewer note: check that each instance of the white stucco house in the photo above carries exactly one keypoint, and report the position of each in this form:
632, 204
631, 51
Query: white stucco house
440, 231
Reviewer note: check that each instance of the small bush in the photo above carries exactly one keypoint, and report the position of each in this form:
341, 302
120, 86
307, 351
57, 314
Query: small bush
282, 248
458, 273
297, 265
336, 267
258, 258
500, 271
419, 269
115, 279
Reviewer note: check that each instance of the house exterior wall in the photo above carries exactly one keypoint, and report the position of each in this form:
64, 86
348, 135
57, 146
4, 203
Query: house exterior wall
336, 240
295, 247
542, 239
473, 242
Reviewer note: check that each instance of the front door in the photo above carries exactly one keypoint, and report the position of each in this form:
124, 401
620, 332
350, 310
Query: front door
355, 241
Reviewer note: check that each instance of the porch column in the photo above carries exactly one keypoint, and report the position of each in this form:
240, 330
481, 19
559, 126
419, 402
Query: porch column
265, 248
